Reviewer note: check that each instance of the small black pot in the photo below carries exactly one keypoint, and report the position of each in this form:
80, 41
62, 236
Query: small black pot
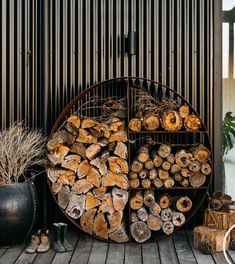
18, 203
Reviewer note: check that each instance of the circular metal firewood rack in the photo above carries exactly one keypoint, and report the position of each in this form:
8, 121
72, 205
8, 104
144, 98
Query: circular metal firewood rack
120, 87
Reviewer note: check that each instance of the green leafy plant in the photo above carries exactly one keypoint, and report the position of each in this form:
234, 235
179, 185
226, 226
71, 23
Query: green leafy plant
228, 132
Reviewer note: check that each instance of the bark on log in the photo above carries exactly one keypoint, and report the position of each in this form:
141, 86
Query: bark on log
121, 150
103, 142
134, 217
175, 168
76, 206
166, 214
171, 121
64, 137
164, 201
140, 231
201, 154
143, 174
183, 158
114, 221
166, 165
142, 214
149, 165
57, 156
184, 111
152, 174
82, 186
135, 124
64, 196
163, 174
112, 146
182, 204
136, 166
192, 123
112, 179
168, 227
75, 120
137, 201
92, 151
158, 182
143, 154
154, 222
107, 204
91, 201
155, 209
87, 220
56, 187
164, 150
83, 169
149, 198
119, 235
206, 169
94, 177
197, 179
146, 183
151, 122
53, 173
134, 183
100, 226
79, 149
169, 182
178, 218
120, 198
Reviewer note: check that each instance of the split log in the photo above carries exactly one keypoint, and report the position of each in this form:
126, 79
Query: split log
182, 204
88, 122
56, 187
121, 150
92, 151
142, 214
112, 146
164, 150
95, 133
149, 165
210, 238
155, 209
100, 165
100, 192
133, 175
103, 129
185, 182
120, 198
154, 222
134, 217
149, 198
136, 166
151, 122
93, 177
158, 182
135, 124
157, 161
152, 174
137, 201
178, 218
143, 154
183, 158
171, 121
91, 201
118, 136
64, 196
83, 169
79, 149
143, 174
107, 204
68, 178
164, 201
103, 142
184, 111
168, 227
175, 168
119, 235
169, 182
112, 179
71, 162
140, 231
64, 137
114, 221
166, 214
76, 206
100, 226
53, 174
134, 183
197, 179
194, 166
85, 137
75, 121
117, 125
82, 186
118, 165
57, 156
171, 158
146, 183
192, 123
163, 174
52, 144
201, 154
186, 172
87, 220
166, 165
178, 177
71, 129
206, 169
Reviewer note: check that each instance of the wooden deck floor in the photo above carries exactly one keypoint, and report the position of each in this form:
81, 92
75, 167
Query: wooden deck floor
176, 249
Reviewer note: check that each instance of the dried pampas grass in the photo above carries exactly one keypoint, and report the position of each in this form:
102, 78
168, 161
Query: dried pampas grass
20, 149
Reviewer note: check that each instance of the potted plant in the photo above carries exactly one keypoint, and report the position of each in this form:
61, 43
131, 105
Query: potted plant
20, 149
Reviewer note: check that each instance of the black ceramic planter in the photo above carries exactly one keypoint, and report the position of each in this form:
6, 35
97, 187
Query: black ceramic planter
17, 213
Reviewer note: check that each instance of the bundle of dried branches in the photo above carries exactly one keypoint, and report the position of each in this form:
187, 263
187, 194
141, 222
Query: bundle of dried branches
20, 149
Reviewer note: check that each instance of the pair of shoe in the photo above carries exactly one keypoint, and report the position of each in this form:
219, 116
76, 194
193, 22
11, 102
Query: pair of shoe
40, 242
59, 238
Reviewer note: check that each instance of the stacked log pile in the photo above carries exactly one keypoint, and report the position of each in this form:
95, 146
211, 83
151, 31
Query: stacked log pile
163, 168
152, 212
89, 174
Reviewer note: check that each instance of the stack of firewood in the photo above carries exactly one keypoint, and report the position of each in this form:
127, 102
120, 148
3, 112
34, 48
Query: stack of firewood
89, 174
161, 168
152, 212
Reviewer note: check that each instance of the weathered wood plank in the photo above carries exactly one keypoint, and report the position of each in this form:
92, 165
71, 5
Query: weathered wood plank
201, 259
183, 249
26, 258
63, 258
150, 253
82, 250
11, 255
45, 258
98, 252
2, 251
133, 253
115, 254
167, 251
219, 258
231, 253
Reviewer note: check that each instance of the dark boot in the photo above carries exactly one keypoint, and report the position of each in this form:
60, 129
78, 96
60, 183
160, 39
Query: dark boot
56, 238
64, 234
